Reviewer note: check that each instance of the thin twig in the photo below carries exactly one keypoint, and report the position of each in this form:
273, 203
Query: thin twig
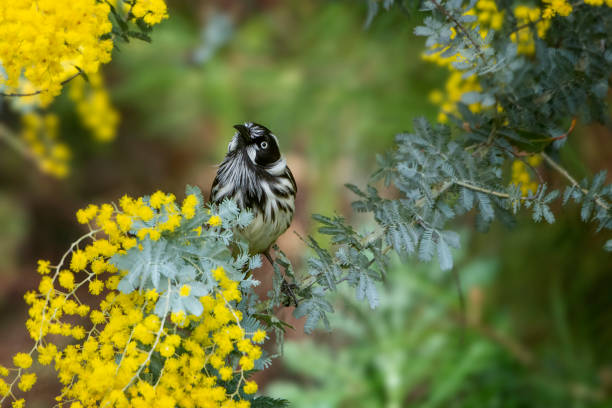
460, 27
64, 82
159, 334
572, 180
482, 190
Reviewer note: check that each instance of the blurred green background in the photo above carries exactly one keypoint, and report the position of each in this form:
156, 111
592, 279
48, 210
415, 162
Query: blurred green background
537, 327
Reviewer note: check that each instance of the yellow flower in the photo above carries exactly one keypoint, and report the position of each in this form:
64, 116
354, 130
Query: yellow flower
151, 11
22, 360
259, 336
560, 7
250, 387
20, 403
157, 199
88, 214
188, 207
96, 286
226, 373
166, 350
124, 221
40, 133
94, 107
4, 388
214, 221
246, 363
185, 290
43, 267
78, 261
66, 280
27, 381
47, 353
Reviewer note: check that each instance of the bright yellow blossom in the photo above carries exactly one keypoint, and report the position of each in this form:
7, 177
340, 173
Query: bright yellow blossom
214, 221
66, 280
27, 381
22, 360
250, 387
259, 336
43, 267
94, 107
185, 290
151, 11
104, 365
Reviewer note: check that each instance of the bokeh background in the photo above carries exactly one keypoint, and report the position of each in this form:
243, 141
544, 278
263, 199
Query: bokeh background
536, 329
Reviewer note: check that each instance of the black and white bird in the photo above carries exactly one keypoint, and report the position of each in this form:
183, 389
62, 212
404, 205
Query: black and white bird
256, 176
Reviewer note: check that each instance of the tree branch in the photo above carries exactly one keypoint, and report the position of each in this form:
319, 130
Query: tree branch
572, 180
460, 27
64, 82
481, 189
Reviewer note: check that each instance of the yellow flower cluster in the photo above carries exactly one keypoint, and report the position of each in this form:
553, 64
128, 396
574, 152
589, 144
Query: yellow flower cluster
40, 134
521, 175
524, 36
50, 41
94, 107
487, 14
487, 17
598, 3
454, 88
151, 11
46, 40
125, 355
556, 7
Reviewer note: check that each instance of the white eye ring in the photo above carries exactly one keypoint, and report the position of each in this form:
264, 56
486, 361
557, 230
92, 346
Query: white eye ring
263, 145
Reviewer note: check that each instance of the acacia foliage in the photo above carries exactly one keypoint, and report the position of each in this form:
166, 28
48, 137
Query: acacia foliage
442, 172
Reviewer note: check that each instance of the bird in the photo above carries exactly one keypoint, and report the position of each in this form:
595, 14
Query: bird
256, 176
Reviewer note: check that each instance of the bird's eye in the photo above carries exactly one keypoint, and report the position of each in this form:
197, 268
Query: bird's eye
263, 145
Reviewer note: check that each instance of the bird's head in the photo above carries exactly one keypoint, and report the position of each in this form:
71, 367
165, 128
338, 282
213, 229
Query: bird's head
260, 145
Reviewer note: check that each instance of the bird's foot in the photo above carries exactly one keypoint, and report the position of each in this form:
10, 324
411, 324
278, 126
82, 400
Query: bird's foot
287, 288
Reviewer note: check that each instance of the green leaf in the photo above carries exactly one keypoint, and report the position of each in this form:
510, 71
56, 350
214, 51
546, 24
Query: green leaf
267, 402
445, 258
426, 246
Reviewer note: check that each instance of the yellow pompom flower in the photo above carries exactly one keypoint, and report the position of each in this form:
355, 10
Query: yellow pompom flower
43, 267
78, 261
20, 403
27, 381
246, 363
66, 280
250, 387
226, 373
47, 353
166, 350
4, 388
188, 207
96, 286
185, 290
259, 336
94, 107
214, 221
151, 11
22, 360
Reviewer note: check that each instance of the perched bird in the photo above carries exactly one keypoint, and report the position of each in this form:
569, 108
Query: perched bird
256, 176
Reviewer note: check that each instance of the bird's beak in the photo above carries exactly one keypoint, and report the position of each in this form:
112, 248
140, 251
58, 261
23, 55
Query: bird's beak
243, 132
